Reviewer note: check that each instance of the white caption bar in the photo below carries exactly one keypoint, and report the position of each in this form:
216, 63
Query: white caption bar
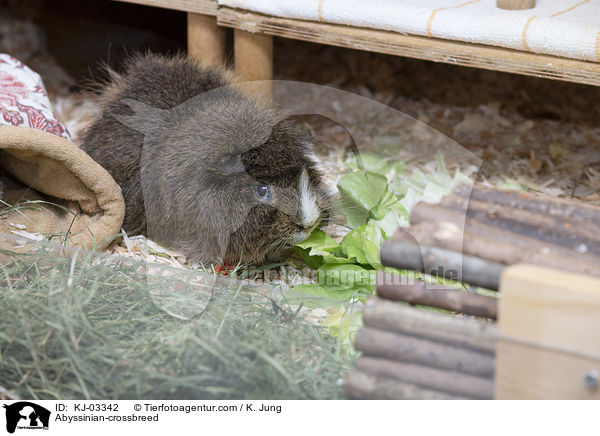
309, 418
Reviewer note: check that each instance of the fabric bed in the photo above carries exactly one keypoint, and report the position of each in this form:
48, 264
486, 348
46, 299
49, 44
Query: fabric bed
50, 187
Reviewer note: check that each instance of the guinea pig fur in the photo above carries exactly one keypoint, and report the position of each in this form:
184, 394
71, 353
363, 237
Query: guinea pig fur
204, 168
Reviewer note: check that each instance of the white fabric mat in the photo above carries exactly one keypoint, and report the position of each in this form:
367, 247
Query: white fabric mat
567, 28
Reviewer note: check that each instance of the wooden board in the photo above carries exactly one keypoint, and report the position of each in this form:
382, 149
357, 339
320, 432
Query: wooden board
549, 334
432, 49
542, 374
205, 7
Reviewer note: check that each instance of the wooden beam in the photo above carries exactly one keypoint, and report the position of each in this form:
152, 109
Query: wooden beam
515, 4
549, 334
253, 54
206, 40
419, 47
205, 7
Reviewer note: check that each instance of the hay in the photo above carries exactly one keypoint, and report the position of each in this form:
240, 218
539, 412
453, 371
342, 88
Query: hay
76, 325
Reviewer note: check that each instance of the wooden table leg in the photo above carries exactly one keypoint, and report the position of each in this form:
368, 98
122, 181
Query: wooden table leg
206, 40
253, 53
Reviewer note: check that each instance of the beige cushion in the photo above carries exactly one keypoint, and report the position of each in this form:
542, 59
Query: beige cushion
50, 168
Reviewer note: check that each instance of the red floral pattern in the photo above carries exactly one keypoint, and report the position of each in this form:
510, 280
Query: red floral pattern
11, 89
11, 117
23, 98
37, 120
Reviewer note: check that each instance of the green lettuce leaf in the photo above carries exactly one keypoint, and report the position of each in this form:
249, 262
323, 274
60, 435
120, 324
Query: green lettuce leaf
318, 249
359, 194
363, 243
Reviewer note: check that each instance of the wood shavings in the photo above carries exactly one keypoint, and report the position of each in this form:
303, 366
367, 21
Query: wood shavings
28, 235
500, 117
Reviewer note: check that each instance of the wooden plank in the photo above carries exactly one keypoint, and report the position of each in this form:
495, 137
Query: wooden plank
205, 7
549, 328
419, 47
555, 309
206, 40
527, 372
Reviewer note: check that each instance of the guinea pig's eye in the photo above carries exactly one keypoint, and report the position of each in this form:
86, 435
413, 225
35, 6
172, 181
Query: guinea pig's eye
262, 191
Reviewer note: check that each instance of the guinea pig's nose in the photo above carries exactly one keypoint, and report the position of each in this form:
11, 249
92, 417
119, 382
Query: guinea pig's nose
310, 226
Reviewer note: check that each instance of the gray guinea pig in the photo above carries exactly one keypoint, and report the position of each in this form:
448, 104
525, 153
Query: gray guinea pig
205, 168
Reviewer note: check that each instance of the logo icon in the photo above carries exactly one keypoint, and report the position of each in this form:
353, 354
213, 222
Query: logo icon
26, 415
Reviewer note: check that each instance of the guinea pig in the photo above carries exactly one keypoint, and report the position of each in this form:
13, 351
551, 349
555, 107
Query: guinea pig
205, 168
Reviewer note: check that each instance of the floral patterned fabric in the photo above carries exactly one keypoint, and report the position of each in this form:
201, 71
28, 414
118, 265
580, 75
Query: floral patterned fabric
23, 98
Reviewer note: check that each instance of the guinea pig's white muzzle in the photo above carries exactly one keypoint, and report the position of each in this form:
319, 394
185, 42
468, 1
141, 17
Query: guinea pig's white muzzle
309, 210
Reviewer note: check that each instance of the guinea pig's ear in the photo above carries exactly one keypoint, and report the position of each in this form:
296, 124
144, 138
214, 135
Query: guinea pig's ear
230, 164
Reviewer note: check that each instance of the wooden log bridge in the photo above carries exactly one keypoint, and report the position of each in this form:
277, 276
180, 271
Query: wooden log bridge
546, 342
419, 354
